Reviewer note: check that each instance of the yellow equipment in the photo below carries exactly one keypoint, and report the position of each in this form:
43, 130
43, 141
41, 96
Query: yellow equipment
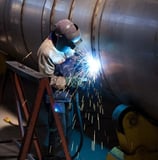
137, 136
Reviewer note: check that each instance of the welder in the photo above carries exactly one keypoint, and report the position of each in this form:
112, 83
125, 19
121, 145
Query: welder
57, 58
56, 50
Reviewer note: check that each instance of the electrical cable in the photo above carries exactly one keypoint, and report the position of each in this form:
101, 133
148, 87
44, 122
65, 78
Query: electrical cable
81, 126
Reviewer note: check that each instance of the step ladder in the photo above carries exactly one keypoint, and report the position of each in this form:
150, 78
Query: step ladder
29, 136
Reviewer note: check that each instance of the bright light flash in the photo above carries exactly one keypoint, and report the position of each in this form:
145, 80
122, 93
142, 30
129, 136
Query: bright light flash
93, 66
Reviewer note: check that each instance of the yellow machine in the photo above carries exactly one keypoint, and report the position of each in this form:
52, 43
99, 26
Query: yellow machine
137, 136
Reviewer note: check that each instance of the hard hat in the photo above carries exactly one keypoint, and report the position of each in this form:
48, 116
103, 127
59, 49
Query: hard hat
68, 29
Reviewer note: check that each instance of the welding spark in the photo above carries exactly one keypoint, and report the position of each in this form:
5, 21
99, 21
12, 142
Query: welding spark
93, 66
87, 73
87, 67
90, 68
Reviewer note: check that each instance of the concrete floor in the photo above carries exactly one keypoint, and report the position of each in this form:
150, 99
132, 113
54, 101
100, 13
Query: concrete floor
7, 131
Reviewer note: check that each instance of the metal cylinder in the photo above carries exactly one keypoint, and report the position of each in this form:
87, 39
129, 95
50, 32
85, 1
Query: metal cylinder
122, 33
128, 47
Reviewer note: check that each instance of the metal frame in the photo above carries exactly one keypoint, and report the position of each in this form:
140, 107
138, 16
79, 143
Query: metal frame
19, 70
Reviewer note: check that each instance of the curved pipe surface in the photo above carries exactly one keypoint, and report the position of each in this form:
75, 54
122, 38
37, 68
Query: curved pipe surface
129, 51
122, 33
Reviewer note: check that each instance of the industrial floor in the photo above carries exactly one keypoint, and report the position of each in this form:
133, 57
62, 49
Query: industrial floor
89, 151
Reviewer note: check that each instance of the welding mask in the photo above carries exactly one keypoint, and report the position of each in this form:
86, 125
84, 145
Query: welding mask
67, 36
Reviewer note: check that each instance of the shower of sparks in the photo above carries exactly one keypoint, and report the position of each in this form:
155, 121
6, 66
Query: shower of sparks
87, 68
88, 72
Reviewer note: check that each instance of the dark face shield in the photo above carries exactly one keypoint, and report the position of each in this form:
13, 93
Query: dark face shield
63, 44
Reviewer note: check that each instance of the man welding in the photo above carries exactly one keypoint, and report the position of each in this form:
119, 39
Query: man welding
58, 59
56, 51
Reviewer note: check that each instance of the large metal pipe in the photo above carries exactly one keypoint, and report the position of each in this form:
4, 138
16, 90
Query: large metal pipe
122, 33
25, 24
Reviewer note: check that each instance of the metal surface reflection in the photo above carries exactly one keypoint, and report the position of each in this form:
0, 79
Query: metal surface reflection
122, 33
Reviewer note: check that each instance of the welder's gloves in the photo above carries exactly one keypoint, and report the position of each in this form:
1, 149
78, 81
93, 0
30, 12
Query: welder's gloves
58, 82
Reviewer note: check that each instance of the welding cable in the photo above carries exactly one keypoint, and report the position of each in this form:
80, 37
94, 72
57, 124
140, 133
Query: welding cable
81, 126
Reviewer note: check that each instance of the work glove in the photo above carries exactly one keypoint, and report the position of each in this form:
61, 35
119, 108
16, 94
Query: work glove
58, 82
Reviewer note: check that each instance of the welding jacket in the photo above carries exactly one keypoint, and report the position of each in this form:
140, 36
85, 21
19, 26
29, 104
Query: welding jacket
55, 64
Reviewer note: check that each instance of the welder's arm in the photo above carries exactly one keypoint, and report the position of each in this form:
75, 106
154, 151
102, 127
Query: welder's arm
57, 82
47, 67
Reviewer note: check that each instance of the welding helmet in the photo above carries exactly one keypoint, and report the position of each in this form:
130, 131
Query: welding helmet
67, 35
